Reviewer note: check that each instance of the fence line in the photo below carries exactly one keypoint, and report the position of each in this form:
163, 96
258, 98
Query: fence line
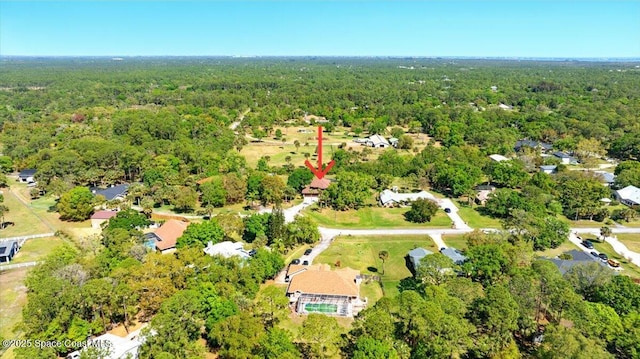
31, 236
17, 265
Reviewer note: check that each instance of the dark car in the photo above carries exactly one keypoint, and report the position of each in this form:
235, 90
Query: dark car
305, 263
587, 244
295, 261
595, 254
308, 251
603, 257
447, 210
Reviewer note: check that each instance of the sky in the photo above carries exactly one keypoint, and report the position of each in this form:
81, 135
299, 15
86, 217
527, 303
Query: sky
542, 28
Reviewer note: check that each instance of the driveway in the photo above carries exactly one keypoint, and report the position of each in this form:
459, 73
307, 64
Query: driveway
453, 214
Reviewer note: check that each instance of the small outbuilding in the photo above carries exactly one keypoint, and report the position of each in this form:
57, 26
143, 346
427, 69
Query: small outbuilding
27, 175
98, 218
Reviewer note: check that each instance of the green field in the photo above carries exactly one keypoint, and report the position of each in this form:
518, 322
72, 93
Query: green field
631, 240
25, 220
476, 220
36, 249
361, 253
373, 217
456, 241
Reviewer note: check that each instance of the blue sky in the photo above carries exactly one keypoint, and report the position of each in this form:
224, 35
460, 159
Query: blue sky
542, 28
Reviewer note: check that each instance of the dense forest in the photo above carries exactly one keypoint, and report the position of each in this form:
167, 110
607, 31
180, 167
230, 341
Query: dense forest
165, 124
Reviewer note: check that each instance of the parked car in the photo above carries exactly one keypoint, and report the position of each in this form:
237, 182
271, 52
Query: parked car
595, 254
603, 257
587, 244
447, 210
308, 251
305, 263
295, 261
614, 263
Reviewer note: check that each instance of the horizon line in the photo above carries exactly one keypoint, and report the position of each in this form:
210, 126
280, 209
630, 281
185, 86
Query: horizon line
466, 57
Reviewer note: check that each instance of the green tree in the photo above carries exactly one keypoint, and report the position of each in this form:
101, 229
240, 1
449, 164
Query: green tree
561, 342
128, 219
272, 190
255, 225
199, 234
405, 142
319, 335
350, 191
76, 204
434, 269
213, 193
297, 144
272, 306
185, 200
421, 211
299, 178
277, 344
369, 348
496, 317
302, 230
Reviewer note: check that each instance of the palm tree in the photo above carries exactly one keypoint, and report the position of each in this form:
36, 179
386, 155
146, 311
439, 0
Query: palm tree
605, 232
297, 144
384, 255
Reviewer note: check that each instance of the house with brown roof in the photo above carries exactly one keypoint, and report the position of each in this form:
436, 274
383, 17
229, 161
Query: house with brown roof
316, 186
318, 289
98, 218
167, 235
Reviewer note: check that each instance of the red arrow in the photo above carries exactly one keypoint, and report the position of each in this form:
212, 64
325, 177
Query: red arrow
319, 172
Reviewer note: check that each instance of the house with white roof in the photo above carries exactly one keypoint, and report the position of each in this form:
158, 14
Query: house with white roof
115, 347
389, 198
377, 141
227, 249
498, 158
629, 196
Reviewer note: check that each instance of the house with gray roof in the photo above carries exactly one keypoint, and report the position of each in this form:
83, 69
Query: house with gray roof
415, 255
118, 192
544, 147
606, 178
565, 158
455, 255
8, 249
27, 175
578, 258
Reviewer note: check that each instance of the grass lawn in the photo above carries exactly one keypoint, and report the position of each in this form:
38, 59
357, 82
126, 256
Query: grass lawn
554, 252
583, 223
635, 223
373, 217
631, 240
456, 241
13, 296
26, 222
476, 220
361, 253
36, 249
629, 268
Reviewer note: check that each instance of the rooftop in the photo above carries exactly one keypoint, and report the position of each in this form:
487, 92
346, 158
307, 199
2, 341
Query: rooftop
389, 196
322, 280
112, 192
498, 158
104, 214
226, 249
456, 256
28, 172
630, 193
167, 235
